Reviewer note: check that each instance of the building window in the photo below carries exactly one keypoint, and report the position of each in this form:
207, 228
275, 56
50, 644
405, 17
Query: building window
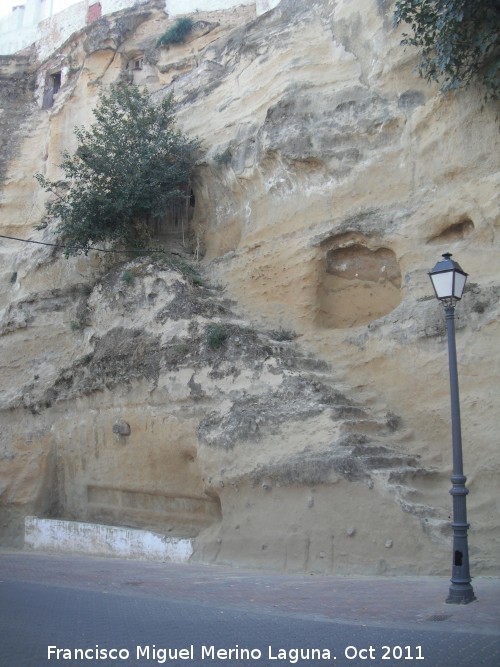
51, 88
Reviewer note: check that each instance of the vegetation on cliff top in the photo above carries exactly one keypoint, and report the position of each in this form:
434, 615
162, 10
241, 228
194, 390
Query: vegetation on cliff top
177, 32
459, 41
128, 168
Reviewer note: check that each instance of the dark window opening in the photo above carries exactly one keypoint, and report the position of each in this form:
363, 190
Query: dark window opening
175, 222
52, 87
56, 82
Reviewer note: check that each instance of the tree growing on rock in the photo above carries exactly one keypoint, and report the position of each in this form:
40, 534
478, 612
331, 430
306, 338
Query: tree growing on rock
130, 165
459, 41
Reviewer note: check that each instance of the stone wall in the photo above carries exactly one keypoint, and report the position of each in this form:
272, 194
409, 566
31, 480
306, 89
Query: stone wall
317, 436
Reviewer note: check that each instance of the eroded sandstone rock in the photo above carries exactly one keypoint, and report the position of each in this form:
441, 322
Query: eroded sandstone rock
331, 182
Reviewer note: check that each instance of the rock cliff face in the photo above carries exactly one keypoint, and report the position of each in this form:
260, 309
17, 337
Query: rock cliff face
332, 180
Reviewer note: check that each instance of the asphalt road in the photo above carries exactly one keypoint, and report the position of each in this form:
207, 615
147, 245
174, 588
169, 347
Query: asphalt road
70, 622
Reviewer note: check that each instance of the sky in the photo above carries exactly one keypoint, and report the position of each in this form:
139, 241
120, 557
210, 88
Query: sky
6, 5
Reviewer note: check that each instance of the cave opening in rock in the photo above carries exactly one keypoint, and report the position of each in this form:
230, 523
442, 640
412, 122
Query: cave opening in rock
357, 285
454, 232
52, 87
175, 222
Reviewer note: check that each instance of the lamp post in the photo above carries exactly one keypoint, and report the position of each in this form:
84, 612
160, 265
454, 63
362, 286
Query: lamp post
448, 280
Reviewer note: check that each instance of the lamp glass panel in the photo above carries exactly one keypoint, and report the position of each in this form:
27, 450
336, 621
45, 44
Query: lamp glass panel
443, 284
459, 285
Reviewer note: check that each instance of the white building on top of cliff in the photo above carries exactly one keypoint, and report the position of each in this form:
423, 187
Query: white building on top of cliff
50, 23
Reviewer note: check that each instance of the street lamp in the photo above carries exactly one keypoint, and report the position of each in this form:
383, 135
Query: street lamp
448, 280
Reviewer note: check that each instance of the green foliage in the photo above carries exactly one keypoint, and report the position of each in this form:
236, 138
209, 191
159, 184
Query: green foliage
223, 159
128, 167
13, 277
187, 269
87, 358
177, 33
283, 334
216, 334
76, 325
128, 277
459, 40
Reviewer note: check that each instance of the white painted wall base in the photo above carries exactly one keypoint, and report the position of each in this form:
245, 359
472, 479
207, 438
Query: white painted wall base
95, 539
